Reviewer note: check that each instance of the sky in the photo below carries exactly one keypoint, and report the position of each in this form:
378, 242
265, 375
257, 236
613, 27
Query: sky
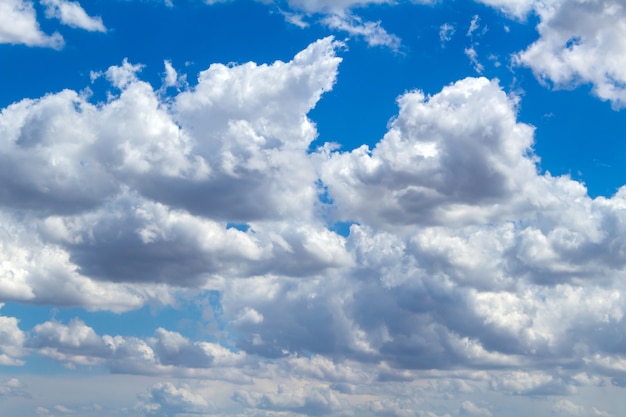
287, 208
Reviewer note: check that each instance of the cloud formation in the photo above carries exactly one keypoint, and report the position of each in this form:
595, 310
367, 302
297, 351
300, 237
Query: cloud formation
580, 42
18, 25
71, 13
465, 268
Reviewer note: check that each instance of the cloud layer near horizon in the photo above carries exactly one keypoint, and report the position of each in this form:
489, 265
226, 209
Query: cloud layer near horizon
463, 263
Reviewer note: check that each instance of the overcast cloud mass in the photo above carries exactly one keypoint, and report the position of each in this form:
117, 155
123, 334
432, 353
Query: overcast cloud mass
192, 244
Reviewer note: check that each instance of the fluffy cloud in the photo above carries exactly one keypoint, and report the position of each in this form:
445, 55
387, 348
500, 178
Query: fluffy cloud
11, 342
463, 263
18, 25
455, 157
167, 353
372, 32
166, 400
580, 42
110, 188
72, 14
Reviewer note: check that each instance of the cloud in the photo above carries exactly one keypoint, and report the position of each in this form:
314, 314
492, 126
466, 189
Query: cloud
71, 13
18, 25
13, 387
166, 400
167, 353
372, 32
446, 31
575, 39
135, 164
11, 345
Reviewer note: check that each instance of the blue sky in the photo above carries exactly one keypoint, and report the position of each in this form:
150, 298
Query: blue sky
312, 208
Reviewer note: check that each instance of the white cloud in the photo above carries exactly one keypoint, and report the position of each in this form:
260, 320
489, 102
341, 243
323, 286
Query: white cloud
167, 353
474, 25
11, 345
18, 25
515, 8
468, 408
473, 57
462, 258
72, 14
580, 42
446, 31
373, 33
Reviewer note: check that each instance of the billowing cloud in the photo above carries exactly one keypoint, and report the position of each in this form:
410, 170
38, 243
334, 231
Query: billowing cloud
110, 188
465, 268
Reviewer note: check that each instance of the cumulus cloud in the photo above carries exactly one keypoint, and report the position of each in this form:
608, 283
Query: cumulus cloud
111, 187
167, 353
11, 344
18, 25
580, 42
461, 257
372, 32
72, 14
439, 163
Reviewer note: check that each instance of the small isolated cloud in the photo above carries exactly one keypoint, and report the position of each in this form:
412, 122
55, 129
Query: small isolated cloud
514, 8
18, 25
468, 408
446, 31
473, 57
166, 399
373, 33
575, 39
71, 13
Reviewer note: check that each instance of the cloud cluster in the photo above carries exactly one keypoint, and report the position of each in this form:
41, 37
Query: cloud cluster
167, 353
462, 264
107, 201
